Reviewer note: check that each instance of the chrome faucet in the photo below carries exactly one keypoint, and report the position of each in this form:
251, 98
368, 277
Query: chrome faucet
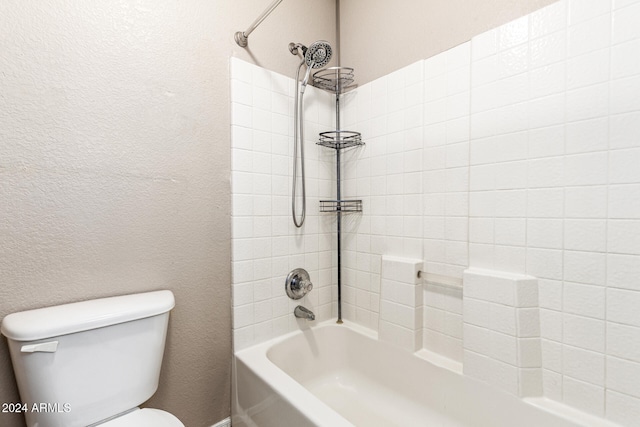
304, 313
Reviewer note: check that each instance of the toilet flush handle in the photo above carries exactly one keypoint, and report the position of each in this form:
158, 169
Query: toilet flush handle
46, 347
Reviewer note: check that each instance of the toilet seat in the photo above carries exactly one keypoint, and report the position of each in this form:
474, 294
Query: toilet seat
146, 417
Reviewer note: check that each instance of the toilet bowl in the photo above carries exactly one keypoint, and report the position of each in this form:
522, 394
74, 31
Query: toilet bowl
94, 362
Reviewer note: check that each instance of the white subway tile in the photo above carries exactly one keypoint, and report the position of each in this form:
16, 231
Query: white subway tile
546, 111
514, 60
547, 80
500, 148
625, 130
586, 202
512, 118
545, 172
504, 376
484, 124
624, 166
625, 59
457, 106
548, 19
530, 382
529, 353
510, 259
622, 408
552, 382
475, 365
580, 10
585, 234
592, 101
458, 56
242, 316
513, 33
510, 203
623, 237
456, 228
241, 70
484, 44
623, 95
625, 22
482, 177
546, 142
551, 355
622, 306
585, 267
435, 111
623, 341
481, 230
584, 300
544, 233
544, 263
502, 319
457, 130
484, 71
545, 203
588, 69
549, 293
551, 325
503, 348
242, 205
459, 80
510, 231
549, 49
623, 376
589, 35
528, 322
476, 312
623, 271
624, 201
584, 365
584, 396
583, 332
586, 169
511, 175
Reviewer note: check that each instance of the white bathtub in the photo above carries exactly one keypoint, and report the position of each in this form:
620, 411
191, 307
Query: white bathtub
334, 376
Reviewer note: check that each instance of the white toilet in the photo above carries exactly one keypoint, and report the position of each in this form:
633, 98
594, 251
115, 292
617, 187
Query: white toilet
93, 362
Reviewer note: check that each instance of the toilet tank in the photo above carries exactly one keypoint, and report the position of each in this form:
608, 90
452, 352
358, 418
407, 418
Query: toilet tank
81, 363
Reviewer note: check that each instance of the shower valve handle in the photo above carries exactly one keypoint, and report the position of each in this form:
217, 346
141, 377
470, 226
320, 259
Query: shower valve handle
298, 283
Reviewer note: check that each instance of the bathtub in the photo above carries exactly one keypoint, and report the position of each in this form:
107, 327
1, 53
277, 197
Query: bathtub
341, 375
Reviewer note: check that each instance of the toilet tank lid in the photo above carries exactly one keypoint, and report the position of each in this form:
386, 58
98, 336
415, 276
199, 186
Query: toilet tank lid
48, 322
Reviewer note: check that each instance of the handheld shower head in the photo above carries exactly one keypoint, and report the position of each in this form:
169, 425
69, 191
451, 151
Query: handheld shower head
318, 54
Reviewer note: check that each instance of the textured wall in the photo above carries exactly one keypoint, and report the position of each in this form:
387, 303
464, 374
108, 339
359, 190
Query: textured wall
115, 164
379, 36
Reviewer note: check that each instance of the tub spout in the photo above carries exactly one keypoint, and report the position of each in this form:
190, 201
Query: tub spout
304, 313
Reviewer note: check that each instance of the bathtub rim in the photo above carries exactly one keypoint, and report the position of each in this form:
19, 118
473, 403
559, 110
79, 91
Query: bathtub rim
256, 359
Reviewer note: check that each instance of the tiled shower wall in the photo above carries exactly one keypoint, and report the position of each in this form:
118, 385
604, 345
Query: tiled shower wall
265, 243
518, 152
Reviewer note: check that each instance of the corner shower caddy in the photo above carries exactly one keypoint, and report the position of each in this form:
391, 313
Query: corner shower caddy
338, 80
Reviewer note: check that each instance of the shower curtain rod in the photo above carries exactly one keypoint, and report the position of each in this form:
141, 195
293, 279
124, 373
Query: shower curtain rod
242, 37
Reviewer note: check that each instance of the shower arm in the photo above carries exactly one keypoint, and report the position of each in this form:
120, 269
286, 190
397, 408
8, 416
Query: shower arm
242, 37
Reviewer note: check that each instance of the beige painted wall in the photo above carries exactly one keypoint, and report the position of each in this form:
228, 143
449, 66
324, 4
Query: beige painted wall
381, 36
115, 164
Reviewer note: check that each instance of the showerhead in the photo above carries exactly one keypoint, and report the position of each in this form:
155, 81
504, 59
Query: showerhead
318, 54
315, 56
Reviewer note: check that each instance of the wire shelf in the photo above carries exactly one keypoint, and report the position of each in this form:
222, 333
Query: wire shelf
334, 79
339, 139
340, 205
